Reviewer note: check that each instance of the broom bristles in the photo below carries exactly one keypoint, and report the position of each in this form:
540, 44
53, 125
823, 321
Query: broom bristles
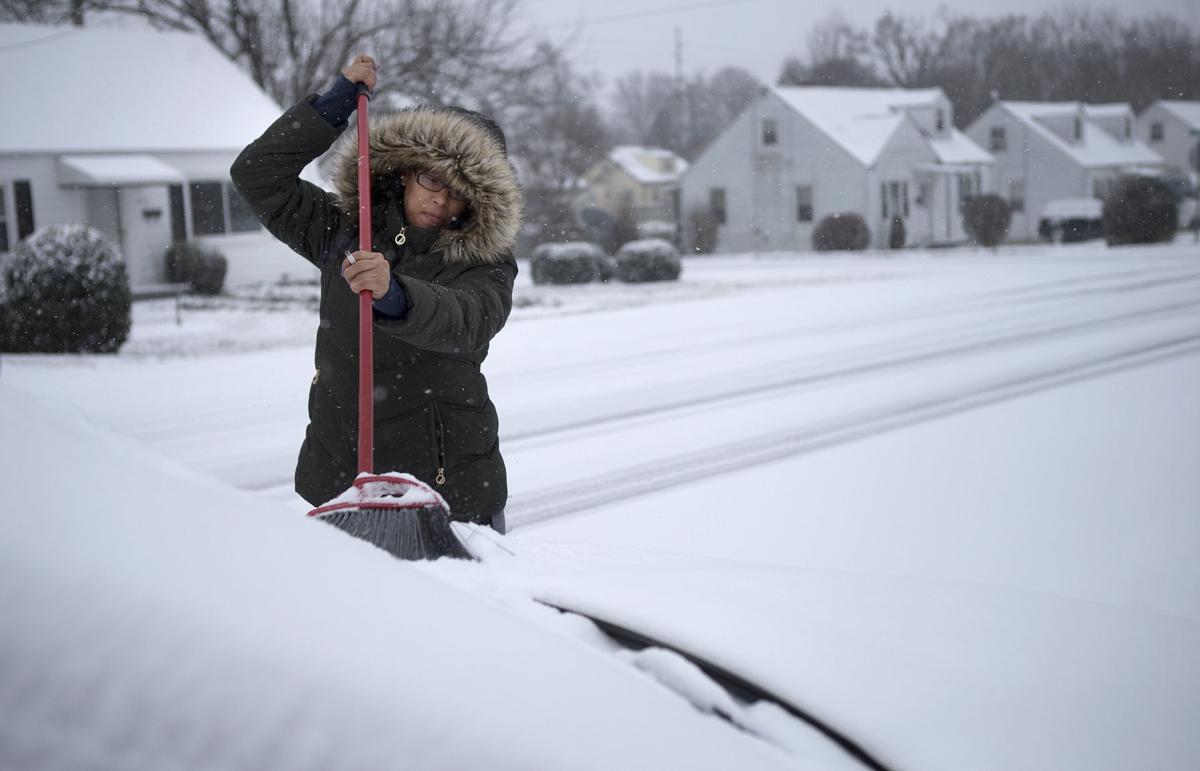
417, 533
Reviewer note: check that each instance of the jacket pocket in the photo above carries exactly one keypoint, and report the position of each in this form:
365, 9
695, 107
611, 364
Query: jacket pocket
467, 432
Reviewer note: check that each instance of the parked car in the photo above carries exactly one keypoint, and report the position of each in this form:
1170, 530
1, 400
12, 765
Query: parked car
1072, 219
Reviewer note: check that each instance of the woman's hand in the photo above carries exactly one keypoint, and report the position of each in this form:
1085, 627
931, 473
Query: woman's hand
362, 70
369, 271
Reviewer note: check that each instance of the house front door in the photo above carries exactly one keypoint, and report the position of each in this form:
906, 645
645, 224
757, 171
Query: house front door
146, 226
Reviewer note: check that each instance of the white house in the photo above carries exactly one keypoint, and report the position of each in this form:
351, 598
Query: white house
1172, 129
1052, 151
798, 154
642, 178
132, 131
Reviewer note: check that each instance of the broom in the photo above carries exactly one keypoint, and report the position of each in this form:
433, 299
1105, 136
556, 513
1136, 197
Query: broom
397, 512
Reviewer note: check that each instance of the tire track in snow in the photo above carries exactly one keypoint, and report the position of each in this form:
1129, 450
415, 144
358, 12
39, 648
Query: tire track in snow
862, 362
603, 489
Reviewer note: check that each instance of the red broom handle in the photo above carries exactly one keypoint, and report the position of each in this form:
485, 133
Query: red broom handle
366, 364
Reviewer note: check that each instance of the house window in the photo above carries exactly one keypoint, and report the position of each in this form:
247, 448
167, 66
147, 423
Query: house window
3, 223
1156, 132
966, 187
999, 139
895, 199
716, 204
208, 209
218, 208
804, 203
1016, 195
242, 218
941, 120
1101, 186
1078, 129
768, 131
23, 193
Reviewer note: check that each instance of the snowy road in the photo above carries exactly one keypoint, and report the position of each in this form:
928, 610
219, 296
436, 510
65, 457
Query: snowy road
753, 360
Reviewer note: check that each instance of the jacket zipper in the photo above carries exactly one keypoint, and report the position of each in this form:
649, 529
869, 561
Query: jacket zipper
439, 442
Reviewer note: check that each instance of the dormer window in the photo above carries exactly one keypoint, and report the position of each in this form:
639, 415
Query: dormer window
1078, 129
941, 120
1128, 129
769, 135
666, 165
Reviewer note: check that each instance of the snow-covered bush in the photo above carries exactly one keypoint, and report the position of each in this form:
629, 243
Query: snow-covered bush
842, 232
650, 259
570, 262
65, 290
986, 219
190, 263
1140, 210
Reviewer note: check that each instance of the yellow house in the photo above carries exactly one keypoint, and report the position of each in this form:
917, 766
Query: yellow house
643, 178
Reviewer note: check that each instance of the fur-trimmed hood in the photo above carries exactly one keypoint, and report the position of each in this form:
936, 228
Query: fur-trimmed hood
458, 149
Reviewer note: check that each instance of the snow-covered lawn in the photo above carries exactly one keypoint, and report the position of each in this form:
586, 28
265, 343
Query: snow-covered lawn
947, 502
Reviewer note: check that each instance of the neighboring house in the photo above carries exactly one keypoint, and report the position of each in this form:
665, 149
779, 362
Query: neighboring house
644, 179
799, 154
1172, 129
132, 131
1053, 151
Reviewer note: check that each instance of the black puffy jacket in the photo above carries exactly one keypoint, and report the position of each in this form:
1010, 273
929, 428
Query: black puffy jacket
433, 415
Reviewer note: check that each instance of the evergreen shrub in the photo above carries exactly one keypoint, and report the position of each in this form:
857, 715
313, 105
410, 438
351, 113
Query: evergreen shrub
203, 269
650, 259
1140, 210
986, 219
842, 232
65, 290
570, 262
896, 234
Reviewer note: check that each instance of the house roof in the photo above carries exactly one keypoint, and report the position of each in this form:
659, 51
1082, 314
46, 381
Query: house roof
1098, 148
861, 120
1188, 112
124, 90
647, 164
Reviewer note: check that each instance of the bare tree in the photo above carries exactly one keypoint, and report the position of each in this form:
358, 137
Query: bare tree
457, 50
44, 11
655, 110
838, 55
560, 134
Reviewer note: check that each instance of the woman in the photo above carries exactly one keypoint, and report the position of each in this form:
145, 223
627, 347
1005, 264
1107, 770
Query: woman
445, 213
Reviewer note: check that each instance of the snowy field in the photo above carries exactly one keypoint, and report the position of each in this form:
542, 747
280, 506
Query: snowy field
946, 502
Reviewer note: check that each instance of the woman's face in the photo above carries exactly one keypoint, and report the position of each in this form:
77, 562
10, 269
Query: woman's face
429, 203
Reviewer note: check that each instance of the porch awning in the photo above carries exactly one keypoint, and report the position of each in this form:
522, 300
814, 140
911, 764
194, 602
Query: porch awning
123, 170
949, 168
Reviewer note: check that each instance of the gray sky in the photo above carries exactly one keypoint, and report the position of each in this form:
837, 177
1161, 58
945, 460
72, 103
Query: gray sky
756, 35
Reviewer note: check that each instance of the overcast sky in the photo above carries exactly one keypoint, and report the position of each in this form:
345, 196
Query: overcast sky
612, 37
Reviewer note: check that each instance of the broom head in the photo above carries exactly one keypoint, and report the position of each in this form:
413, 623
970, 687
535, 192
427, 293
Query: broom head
398, 513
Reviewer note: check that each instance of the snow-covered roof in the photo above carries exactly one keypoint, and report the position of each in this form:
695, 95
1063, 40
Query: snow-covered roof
1188, 112
1097, 148
861, 120
648, 165
123, 90
958, 148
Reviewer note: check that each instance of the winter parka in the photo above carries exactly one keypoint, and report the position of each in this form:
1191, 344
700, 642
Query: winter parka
433, 415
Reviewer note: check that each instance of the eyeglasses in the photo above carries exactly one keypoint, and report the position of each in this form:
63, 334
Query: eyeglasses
435, 185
